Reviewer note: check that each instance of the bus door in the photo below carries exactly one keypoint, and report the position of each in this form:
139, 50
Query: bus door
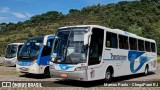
95, 54
46, 51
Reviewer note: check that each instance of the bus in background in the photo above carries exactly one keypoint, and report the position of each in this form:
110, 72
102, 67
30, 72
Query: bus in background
34, 56
92, 52
11, 52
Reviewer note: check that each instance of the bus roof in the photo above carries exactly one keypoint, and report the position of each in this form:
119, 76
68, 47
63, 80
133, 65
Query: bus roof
15, 43
118, 31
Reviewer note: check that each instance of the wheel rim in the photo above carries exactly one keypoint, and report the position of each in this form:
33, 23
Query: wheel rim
146, 71
47, 74
108, 75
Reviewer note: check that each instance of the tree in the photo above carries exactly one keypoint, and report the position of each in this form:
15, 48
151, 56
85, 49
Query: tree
72, 11
135, 29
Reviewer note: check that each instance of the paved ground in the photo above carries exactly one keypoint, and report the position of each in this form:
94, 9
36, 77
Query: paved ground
10, 74
1, 59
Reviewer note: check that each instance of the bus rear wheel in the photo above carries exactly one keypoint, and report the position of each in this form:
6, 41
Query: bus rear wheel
28, 74
146, 70
108, 76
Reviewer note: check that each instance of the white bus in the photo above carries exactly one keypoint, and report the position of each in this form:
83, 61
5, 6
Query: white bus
92, 52
34, 56
11, 52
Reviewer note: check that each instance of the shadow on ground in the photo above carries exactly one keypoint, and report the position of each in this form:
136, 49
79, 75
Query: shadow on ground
73, 83
33, 76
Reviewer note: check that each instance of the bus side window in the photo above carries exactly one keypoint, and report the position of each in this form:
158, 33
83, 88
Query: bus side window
111, 40
125, 38
140, 45
153, 46
123, 42
108, 39
133, 43
47, 49
147, 46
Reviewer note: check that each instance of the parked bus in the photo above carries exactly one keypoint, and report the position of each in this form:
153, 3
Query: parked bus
11, 52
92, 52
34, 56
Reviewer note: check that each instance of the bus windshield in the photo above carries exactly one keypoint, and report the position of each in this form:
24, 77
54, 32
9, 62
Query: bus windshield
31, 49
11, 51
68, 47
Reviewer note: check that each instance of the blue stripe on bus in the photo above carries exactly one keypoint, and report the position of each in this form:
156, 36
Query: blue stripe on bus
132, 56
45, 60
65, 66
24, 63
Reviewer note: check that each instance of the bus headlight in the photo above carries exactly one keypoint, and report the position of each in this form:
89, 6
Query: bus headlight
81, 68
52, 59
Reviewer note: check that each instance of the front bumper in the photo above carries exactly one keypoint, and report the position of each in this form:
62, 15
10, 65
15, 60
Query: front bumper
8, 62
74, 75
34, 69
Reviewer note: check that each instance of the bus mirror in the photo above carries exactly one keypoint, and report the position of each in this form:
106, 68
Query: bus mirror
48, 44
86, 38
45, 40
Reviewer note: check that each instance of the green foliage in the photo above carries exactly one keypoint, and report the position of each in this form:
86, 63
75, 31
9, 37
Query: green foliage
139, 17
158, 59
135, 29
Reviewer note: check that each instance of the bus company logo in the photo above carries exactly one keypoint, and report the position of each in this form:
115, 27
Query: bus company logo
6, 84
64, 66
118, 57
132, 56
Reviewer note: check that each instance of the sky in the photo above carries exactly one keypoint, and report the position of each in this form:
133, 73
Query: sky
21, 10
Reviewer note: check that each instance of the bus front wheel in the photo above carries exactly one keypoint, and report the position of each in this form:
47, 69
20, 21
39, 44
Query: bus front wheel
108, 76
47, 73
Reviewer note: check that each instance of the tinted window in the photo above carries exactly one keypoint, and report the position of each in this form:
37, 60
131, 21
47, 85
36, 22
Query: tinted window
123, 42
96, 46
19, 48
153, 47
140, 45
111, 40
147, 46
47, 49
133, 43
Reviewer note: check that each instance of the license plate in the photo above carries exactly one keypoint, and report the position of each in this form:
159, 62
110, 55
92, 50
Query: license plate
64, 75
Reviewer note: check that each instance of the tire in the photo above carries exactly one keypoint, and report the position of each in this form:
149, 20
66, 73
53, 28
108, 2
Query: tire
47, 73
28, 74
146, 70
108, 76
